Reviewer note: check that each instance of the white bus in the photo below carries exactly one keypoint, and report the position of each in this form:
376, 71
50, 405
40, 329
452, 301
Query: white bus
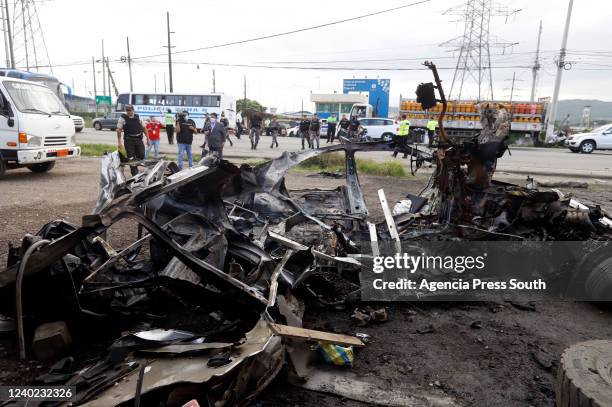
157, 104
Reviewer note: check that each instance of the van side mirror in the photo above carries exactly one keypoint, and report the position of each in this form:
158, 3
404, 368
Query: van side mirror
10, 122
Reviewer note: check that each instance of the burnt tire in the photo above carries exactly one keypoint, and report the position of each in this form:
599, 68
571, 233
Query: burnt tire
97, 126
587, 147
42, 167
584, 378
598, 285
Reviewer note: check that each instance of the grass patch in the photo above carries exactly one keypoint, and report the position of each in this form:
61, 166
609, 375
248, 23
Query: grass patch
96, 150
335, 163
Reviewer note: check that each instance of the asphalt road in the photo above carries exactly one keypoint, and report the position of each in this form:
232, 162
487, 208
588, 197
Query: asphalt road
522, 160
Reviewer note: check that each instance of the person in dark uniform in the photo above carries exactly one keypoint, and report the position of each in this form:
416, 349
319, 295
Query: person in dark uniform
344, 127
132, 128
315, 131
223, 120
354, 126
305, 131
255, 130
275, 131
185, 128
216, 137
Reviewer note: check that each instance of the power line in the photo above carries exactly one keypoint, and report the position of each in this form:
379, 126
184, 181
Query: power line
314, 27
325, 68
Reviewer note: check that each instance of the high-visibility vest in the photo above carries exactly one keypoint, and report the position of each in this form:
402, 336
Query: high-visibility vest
169, 119
332, 119
404, 128
432, 124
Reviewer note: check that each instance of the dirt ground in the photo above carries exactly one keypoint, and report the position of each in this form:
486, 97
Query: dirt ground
510, 360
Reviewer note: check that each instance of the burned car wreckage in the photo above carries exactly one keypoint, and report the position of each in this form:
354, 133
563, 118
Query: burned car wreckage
208, 300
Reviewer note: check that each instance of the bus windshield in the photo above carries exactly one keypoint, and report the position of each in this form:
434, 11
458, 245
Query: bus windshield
31, 98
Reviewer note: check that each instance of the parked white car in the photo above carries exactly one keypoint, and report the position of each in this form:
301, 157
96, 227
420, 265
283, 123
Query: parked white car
597, 139
379, 128
79, 123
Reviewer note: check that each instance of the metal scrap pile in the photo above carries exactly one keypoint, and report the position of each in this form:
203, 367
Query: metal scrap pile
203, 303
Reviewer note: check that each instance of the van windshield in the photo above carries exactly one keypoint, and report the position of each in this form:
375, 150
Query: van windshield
31, 98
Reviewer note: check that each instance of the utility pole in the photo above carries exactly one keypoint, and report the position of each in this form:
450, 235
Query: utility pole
512, 88
103, 71
129, 61
214, 86
155, 82
245, 89
169, 53
552, 115
25, 38
93, 70
536, 66
110, 78
4, 31
10, 35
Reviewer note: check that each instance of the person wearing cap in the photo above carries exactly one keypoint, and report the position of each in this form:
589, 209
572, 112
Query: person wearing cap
216, 137
185, 127
133, 129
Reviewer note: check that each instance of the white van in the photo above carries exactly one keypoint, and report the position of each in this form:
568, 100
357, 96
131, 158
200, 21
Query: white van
35, 128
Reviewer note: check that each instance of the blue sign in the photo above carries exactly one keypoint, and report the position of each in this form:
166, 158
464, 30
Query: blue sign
378, 90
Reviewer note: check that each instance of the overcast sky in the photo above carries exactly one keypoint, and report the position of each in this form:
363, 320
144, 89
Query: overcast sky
74, 30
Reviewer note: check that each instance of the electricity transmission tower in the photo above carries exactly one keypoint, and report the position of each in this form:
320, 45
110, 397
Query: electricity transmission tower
24, 40
474, 47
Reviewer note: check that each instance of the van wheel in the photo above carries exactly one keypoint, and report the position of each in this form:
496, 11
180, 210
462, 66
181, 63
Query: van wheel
97, 126
78, 129
587, 147
42, 167
2, 167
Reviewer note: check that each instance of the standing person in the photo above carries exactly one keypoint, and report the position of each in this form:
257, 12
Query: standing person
185, 127
217, 134
133, 129
267, 126
275, 130
169, 121
332, 121
154, 130
238, 128
304, 131
344, 128
315, 131
255, 131
223, 120
402, 137
354, 127
431, 129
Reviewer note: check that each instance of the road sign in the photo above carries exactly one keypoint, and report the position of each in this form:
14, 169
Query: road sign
103, 100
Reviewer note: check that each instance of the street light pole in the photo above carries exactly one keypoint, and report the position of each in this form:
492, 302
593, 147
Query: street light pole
552, 116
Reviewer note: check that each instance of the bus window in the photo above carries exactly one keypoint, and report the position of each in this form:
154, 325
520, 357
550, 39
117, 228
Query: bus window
161, 100
217, 100
188, 100
139, 99
197, 101
122, 100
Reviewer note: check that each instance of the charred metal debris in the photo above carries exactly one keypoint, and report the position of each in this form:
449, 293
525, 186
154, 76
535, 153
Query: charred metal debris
207, 302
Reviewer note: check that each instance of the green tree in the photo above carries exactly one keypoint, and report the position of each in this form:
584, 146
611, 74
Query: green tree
243, 105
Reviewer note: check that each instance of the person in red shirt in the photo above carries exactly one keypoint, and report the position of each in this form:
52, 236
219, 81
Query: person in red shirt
154, 127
